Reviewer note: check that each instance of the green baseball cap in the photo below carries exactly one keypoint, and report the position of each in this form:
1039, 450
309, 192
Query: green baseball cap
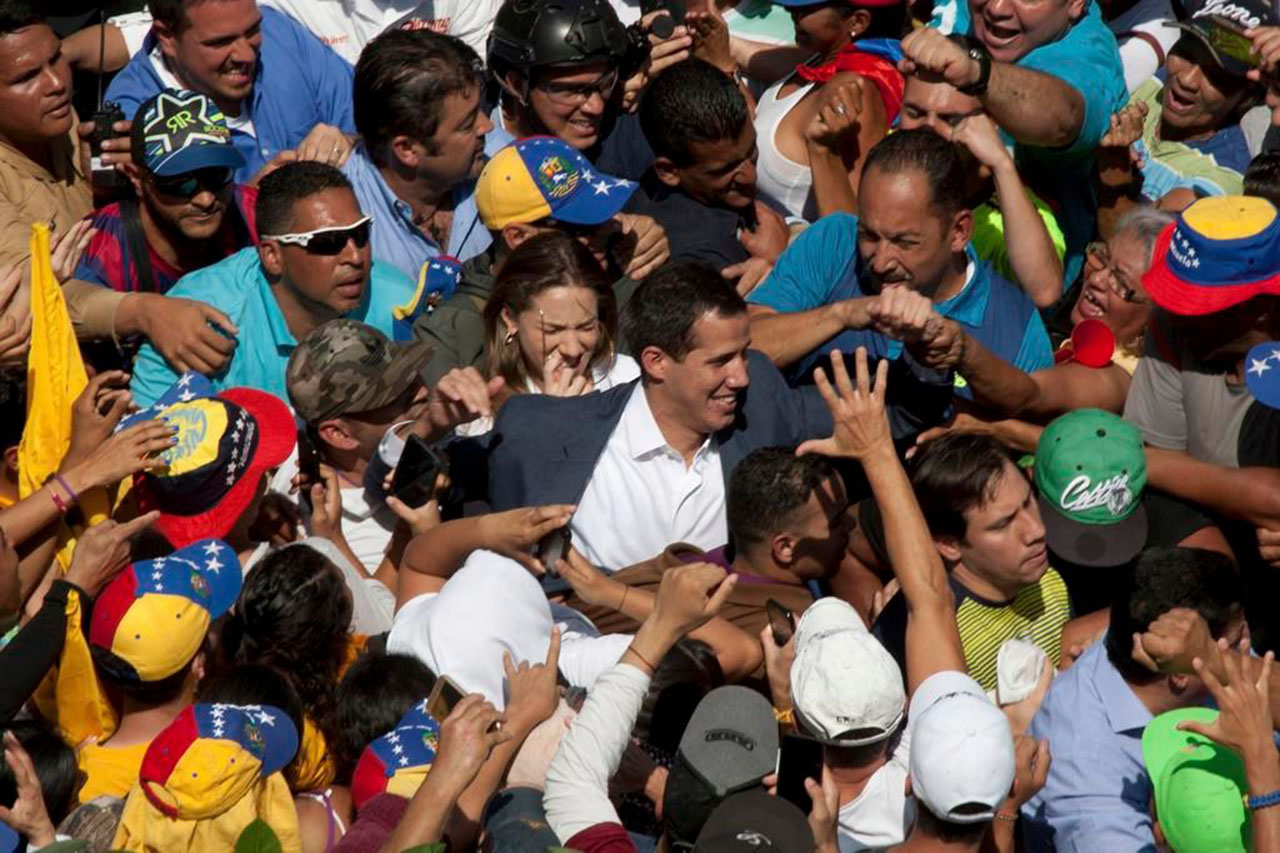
1090, 473
1199, 786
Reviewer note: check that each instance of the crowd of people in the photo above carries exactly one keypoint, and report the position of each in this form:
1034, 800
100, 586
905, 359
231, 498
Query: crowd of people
814, 426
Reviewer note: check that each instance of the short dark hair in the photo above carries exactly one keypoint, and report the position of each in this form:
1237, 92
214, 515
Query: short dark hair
279, 191
692, 101
955, 473
664, 308
1262, 178
255, 684
401, 81
172, 13
685, 675
948, 831
923, 151
767, 487
18, 15
1164, 578
375, 692
121, 674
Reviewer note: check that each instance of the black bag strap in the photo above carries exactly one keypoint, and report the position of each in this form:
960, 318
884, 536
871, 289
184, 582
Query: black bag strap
139, 254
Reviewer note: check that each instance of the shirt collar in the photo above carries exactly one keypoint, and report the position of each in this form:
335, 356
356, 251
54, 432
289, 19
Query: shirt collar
280, 334
640, 432
64, 153
364, 167
969, 306
1124, 710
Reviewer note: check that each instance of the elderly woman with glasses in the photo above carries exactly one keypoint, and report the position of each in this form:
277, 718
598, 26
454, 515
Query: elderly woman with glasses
1111, 294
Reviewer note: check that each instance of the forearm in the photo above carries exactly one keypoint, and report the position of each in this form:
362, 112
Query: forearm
442, 550
739, 655
1031, 252
995, 383
33, 651
1114, 203
467, 819
833, 191
1034, 108
1249, 494
426, 815
787, 338
577, 794
96, 48
96, 310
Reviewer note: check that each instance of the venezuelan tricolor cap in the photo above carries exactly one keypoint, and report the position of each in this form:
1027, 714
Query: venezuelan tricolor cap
224, 445
154, 615
1220, 252
543, 177
399, 761
212, 754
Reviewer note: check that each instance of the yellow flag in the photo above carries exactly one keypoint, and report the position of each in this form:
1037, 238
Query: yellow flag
55, 377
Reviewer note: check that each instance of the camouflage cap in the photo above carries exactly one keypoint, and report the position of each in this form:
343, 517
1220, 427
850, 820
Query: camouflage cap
344, 366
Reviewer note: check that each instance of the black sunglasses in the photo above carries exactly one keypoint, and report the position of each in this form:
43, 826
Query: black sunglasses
186, 185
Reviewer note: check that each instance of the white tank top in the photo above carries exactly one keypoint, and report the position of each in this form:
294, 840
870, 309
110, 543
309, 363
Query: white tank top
780, 179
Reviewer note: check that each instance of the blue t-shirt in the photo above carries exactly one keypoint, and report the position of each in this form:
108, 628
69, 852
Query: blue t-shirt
1088, 60
237, 287
298, 83
823, 266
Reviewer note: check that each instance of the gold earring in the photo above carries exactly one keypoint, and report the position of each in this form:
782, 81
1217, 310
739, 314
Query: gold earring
511, 336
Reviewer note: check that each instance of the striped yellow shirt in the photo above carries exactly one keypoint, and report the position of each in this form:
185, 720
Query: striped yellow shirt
1037, 614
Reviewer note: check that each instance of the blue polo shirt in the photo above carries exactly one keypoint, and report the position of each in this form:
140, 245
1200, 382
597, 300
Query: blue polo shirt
1098, 793
396, 239
237, 287
298, 83
823, 266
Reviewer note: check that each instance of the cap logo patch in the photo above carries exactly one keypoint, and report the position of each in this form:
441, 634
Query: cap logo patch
1081, 494
755, 839
1181, 250
739, 738
557, 176
200, 586
1242, 15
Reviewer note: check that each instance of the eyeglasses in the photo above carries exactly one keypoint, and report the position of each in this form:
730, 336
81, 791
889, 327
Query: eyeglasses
187, 184
328, 241
1099, 252
576, 94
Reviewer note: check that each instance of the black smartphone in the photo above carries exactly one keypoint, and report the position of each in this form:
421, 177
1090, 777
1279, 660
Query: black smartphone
781, 621
308, 460
414, 481
444, 695
552, 547
799, 758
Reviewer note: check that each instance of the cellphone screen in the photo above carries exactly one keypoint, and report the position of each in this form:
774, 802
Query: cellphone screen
308, 462
554, 546
781, 621
444, 696
415, 477
799, 758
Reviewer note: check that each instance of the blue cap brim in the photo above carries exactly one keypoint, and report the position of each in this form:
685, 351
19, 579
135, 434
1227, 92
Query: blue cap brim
597, 201
195, 157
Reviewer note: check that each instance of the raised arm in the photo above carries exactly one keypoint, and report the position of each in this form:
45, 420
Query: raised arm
862, 433
1033, 107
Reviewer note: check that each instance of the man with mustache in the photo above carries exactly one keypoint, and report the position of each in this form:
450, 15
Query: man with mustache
300, 110
913, 232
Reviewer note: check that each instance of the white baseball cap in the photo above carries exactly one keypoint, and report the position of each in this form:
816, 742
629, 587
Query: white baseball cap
843, 680
962, 763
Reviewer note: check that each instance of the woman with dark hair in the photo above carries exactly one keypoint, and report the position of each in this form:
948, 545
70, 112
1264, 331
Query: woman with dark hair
551, 323
294, 615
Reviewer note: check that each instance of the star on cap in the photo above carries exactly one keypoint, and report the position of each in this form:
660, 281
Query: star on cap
1259, 366
214, 565
1275, 353
588, 175
265, 718
601, 187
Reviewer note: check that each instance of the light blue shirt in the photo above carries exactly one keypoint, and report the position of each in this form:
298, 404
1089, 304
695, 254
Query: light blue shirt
298, 83
396, 239
1098, 794
237, 287
823, 266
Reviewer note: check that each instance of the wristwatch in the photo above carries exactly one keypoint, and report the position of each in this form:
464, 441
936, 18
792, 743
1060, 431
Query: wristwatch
978, 52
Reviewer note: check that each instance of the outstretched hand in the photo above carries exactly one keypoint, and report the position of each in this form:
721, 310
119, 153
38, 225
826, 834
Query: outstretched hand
861, 424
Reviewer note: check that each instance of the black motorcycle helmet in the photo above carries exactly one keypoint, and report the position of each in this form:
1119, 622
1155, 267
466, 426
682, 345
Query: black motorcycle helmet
530, 34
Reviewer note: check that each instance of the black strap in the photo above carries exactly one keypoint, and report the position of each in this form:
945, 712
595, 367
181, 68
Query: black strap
139, 254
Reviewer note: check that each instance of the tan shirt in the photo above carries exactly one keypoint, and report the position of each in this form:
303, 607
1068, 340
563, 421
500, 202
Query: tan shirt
31, 193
